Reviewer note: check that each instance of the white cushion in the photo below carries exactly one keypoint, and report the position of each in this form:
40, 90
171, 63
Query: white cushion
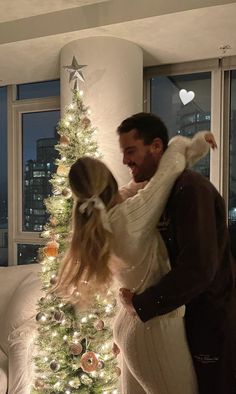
21, 352
10, 278
22, 307
3, 372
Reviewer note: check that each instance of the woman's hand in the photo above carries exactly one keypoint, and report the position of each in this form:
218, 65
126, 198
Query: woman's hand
126, 296
209, 137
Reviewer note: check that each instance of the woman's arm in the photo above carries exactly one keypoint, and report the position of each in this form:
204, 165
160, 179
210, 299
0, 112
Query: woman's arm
199, 147
143, 211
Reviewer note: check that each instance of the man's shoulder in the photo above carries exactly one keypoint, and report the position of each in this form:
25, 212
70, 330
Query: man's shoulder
193, 179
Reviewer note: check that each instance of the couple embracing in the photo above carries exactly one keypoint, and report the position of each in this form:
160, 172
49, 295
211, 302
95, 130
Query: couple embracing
176, 328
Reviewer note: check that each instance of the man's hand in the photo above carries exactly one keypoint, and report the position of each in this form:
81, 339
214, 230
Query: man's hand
126, 297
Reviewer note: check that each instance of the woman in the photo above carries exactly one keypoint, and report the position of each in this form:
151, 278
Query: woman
155, 356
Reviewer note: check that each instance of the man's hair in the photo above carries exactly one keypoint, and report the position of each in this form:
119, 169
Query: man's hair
148, 127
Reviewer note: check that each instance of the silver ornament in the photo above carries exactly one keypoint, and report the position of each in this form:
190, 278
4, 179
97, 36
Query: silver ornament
75, 70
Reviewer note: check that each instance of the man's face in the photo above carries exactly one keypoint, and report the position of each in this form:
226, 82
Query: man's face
142, 159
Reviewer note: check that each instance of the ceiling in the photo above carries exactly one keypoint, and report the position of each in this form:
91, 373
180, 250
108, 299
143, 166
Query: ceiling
33, 32
19, 9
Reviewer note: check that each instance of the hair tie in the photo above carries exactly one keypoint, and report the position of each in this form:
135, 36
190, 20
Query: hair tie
95, 202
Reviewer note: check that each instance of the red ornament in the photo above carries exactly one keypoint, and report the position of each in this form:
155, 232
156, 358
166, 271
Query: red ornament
64, 140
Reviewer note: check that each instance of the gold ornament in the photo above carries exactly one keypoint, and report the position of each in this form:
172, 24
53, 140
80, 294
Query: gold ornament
62, 170
51, 249
39, 383
85, 379
75, 383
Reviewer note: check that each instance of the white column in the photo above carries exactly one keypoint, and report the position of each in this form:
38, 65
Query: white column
113, 89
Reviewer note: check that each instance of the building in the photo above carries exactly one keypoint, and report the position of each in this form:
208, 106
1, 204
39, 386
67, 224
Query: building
36, 184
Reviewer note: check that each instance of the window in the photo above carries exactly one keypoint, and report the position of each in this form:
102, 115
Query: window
38, 140
33, 137
183, 102
27, 254
3, 179
38, 90
213, 107
232, 163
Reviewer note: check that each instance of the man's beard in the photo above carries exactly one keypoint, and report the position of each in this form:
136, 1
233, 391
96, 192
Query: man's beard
146, 170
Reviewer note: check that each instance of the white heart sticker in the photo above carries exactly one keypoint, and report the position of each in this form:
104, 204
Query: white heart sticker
185, 96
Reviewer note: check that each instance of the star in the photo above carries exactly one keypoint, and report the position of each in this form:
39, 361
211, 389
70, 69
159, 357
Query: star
75, 70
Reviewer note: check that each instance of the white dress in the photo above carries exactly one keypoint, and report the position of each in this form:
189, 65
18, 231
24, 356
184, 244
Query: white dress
155, 355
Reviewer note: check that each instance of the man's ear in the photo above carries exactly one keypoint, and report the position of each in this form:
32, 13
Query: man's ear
157, 146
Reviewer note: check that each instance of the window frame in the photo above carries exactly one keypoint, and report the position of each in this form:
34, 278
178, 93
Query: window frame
220, 108
15, 110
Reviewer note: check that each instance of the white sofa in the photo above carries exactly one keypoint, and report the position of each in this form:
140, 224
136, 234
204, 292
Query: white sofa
20, 289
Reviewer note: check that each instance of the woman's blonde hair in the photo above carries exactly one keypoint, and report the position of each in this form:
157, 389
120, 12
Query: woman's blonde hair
87, 258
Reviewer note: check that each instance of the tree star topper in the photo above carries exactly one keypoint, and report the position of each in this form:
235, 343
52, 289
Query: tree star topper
75, 70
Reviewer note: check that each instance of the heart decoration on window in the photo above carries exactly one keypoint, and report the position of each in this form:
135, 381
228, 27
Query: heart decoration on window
185, 96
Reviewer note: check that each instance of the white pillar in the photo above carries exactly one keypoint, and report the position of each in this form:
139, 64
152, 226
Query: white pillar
113, 89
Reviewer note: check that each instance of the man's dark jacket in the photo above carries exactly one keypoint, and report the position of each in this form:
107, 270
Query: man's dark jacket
195, 232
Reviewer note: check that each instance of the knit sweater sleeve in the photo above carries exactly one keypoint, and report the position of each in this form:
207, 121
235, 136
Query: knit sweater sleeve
196, 147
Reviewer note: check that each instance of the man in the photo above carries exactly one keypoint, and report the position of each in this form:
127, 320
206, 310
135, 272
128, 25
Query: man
194, 229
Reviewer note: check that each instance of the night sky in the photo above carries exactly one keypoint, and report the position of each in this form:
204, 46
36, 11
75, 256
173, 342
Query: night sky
37, 125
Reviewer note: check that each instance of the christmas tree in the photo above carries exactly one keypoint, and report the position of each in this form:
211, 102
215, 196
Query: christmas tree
74, 350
